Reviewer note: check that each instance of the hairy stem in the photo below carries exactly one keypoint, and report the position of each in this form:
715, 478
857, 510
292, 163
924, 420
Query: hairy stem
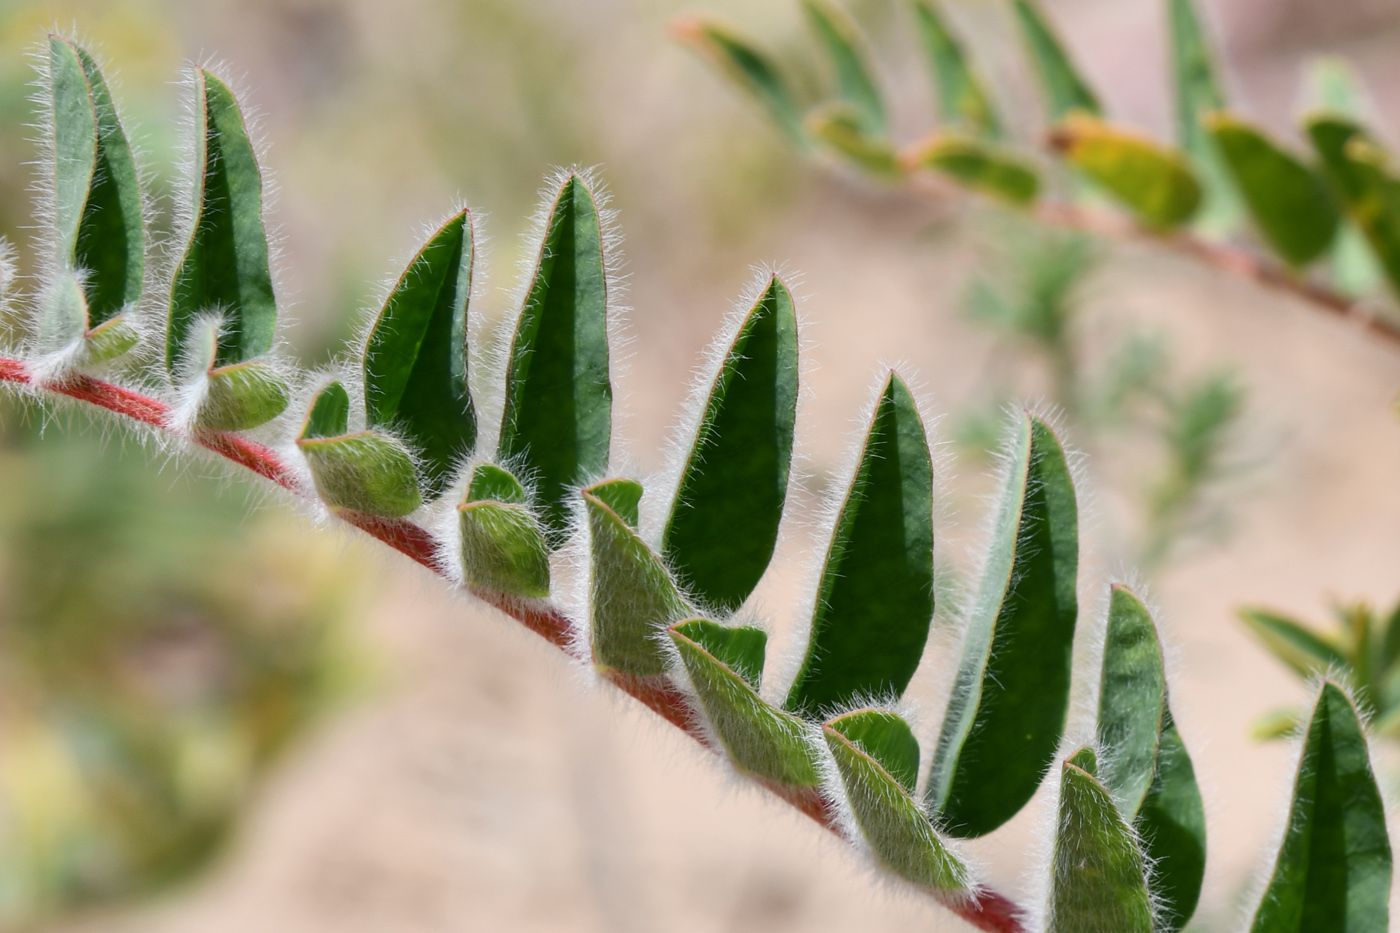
990, 911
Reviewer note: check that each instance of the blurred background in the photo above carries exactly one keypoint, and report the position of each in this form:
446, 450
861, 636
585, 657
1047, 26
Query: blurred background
216, 716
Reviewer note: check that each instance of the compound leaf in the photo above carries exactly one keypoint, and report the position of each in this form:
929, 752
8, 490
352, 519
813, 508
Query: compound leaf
748, 66
415, 362
223, 272
1289, 202
875, 597
1064, 90
1333, 868
1009, 702
1154, 182
962, 96
724, 519
558, 407
855, 85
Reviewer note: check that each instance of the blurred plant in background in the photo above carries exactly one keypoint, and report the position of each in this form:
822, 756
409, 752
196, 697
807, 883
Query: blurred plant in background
159, 649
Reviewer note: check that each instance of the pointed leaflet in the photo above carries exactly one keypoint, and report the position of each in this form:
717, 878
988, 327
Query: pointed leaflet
1362, 176
1098, 883
623, 496
1146, 767
981, 166
1293, 643
364, 472
558, 406
875, 598
97, 195
864, 745
748, 66
633, 598
416, 357
962, 97
1289, 202
1153, 181
724, 520
1199, 93
1064, 90
855, 85
1012, 691
1332, 874
502, 546
224, 269
724, 665
837, 126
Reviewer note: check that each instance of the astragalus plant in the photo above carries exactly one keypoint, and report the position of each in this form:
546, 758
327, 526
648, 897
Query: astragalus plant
516, 497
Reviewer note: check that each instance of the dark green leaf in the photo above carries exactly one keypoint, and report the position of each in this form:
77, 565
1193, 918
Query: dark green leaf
224, 269
724, 520
962, 96
1098, 883
855, 85
1154, 182
416, 358
503, 547
490, 483
760, 740
981, 166
365, 472
894, 826
1368, 185
1172, 824
748, 66
1289, 202
623, 496
558, 406
875, 598
330, 413
1333, 869
1294, 644
886, 738
633, 598
740, 648
1064, 90
1012, 692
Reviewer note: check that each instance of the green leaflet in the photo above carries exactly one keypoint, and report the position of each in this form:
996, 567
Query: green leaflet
748, 66
241, 396
558, 406
632, 596
65, 314
1098, 884
415, 361
962, 97
1154, 182
723, 665
97, 205
224, 269
981, 166
365, 472
855, 84
886, 738
1293, 643
837, 126
502, 546
623, 496
1012, 690
1197, 86
723, 524
1147, 769
1333, 869
1361, 174
875, 599
894, 826
1064, 90
1289, 202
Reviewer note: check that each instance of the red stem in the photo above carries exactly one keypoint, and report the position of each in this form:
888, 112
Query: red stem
991, 911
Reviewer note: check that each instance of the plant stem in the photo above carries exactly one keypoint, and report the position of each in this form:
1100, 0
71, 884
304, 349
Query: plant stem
990, 911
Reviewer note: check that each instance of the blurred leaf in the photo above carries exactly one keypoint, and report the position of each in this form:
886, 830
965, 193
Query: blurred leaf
855, 84
1007, 713
1290, 204
1098, 879
365, 472
503, 547
1064, 90
837, 127
633, 598
875, 597
1333, 870
963, 98
1333, 86
223, 271
415, 360
1198, 93
558, 407
890, 820
724, 520
1151, 180
1294, 644
1277, 724
748, 66
1361, 174
760, 740
981, 166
